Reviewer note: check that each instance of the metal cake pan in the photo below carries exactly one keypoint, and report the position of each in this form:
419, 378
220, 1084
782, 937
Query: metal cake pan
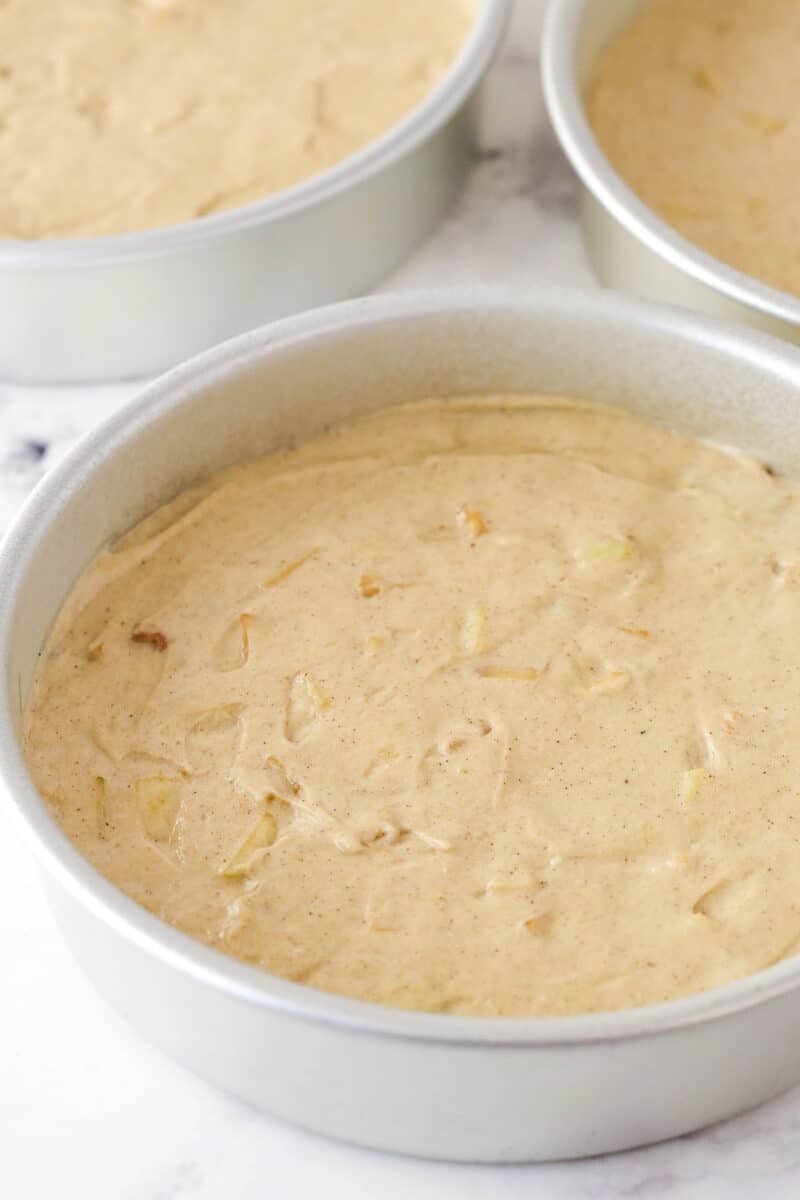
628, 245
443, 1086
123, 307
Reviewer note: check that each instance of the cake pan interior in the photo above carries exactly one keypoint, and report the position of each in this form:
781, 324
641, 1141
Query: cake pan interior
84, 310
495, 1089
628, 245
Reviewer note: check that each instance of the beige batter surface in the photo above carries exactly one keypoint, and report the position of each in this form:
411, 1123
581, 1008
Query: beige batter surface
487, 706
696, 105
117, 115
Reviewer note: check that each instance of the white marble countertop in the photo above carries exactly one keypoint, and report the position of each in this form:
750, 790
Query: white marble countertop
89, 1110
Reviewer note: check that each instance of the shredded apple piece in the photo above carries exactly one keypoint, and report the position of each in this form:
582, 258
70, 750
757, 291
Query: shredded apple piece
384, 758
223, 717
233, 649
282, 784
158, 801
304, 706
472, 629
764, 122
706, 80
214, 734
692, 782
370, 586
100, 796
610, 684
288, 570
373, 585
613, 549
150, 637
259, 838
435, 843
534, 924
731, 718
472, 522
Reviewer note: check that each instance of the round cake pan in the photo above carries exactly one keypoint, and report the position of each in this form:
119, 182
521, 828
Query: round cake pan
443, 1086
111, 308
628, 245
